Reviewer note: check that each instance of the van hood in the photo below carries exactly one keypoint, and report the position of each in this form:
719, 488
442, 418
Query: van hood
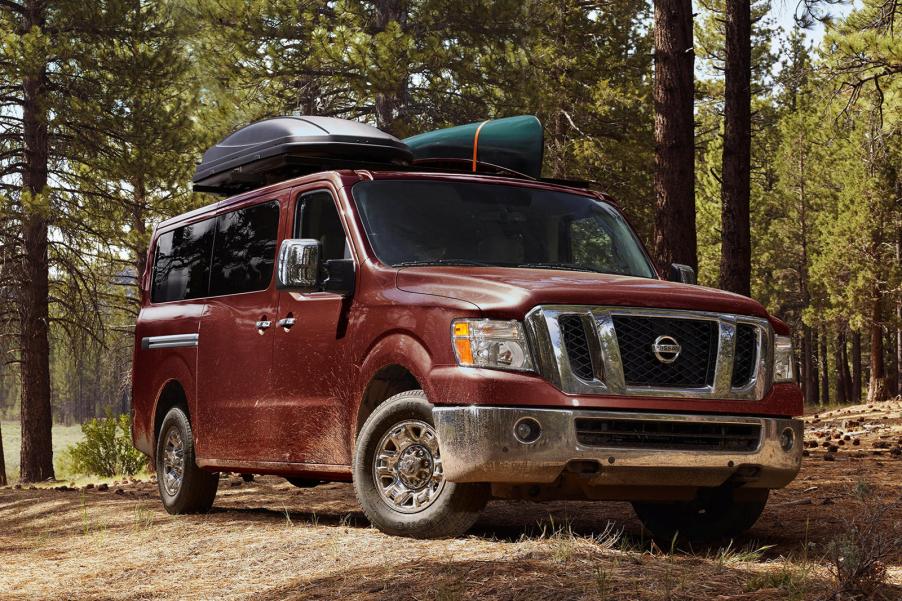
511, 292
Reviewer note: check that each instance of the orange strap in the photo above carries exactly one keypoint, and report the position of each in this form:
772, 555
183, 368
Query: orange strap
476, 143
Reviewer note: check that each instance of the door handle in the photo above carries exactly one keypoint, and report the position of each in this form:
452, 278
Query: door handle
285, 322
263, 324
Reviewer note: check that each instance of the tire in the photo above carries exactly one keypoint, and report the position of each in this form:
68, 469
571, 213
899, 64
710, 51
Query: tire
715, 514
195, 492
445, 509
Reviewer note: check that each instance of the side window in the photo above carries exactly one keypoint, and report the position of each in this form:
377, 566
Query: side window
182, 262
245, 249
317, 218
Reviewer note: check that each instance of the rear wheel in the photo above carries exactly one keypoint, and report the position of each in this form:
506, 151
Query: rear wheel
714, 514
184, 487
398, 474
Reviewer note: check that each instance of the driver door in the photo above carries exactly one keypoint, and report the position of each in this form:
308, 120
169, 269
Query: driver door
312, 372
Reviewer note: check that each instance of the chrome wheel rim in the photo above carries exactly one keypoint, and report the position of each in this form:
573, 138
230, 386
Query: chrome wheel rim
407, 467
173, 461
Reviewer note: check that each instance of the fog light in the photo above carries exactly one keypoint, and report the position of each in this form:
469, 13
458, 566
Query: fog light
527, 430
787, 439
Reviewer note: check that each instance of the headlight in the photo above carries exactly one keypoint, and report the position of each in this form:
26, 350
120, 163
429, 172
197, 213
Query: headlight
491, 343
784, 360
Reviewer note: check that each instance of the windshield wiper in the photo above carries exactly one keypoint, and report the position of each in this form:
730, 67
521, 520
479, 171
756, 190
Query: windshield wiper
450, 262
563, 266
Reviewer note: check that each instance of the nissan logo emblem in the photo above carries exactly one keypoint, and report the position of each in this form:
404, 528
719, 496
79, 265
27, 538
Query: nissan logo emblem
666, 349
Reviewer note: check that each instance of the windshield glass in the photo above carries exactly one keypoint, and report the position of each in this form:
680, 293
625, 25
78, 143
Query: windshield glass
411, 222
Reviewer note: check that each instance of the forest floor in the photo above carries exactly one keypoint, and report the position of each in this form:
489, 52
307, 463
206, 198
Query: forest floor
268, 540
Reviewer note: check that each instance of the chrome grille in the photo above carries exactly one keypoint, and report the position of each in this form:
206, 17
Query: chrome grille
746, 353
693, 367
677, 435
721, 356
576, 345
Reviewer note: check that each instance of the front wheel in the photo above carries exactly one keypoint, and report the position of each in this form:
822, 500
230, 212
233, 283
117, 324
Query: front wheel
184, 487
398, 474
713, 515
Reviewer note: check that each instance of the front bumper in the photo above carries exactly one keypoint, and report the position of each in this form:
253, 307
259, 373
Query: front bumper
478, 444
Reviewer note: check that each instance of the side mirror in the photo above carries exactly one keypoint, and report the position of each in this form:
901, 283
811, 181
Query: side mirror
340, 276
682, 273
298, 265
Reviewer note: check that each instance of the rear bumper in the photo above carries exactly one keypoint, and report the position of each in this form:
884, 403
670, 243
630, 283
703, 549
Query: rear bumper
478, 444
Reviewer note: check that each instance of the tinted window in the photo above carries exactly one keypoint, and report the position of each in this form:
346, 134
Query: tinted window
448, 222
317, 219
182, 262
245, 250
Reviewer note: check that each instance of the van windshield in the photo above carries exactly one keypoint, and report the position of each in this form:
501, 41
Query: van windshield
410, 222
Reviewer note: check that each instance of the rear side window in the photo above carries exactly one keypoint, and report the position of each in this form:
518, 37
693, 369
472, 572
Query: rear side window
182, 263
245, 251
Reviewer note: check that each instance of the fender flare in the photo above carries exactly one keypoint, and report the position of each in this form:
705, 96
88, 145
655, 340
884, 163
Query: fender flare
400, 348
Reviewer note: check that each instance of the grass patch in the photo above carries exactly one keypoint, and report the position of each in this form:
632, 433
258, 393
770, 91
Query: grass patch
63, 437
790, 578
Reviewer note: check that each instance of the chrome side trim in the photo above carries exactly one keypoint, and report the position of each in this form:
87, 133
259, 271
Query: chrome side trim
553, 363
171, 341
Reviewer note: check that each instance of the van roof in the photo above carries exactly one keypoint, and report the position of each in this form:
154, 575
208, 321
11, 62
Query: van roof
347, 177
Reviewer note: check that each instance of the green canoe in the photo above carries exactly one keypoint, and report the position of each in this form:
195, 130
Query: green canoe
514, 143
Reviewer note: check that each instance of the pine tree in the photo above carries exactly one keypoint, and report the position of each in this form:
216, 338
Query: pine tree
68, 155
675, 238
736, 243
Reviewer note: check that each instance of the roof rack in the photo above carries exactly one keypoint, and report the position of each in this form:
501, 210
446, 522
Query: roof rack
282, 148
276, 149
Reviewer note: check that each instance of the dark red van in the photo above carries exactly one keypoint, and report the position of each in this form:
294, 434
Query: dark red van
441, 338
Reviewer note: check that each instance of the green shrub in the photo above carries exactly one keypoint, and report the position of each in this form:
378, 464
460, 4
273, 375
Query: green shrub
107, 448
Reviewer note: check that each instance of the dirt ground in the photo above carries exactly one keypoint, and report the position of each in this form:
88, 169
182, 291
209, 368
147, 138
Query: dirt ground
268, 540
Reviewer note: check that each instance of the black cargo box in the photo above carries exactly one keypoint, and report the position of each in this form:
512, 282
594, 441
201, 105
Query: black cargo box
280, 148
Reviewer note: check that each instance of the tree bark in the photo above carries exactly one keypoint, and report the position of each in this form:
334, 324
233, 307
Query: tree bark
856, 366
139, 225
815, 368
809, 365
847, 375
388, 102
892, 367
736, 241
3, 481
898, 389
839, 356
825, 370
674, 88
33, 300
877, 386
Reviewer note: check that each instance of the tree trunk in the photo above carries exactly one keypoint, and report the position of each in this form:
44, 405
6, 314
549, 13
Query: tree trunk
892, 368
839, 356
847, 375
815, 368
736, 241
388, 102
825, 370
139, 225
3, 481
809, 365
898, 389
856, 367
675, 235
33, 300
877, 387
